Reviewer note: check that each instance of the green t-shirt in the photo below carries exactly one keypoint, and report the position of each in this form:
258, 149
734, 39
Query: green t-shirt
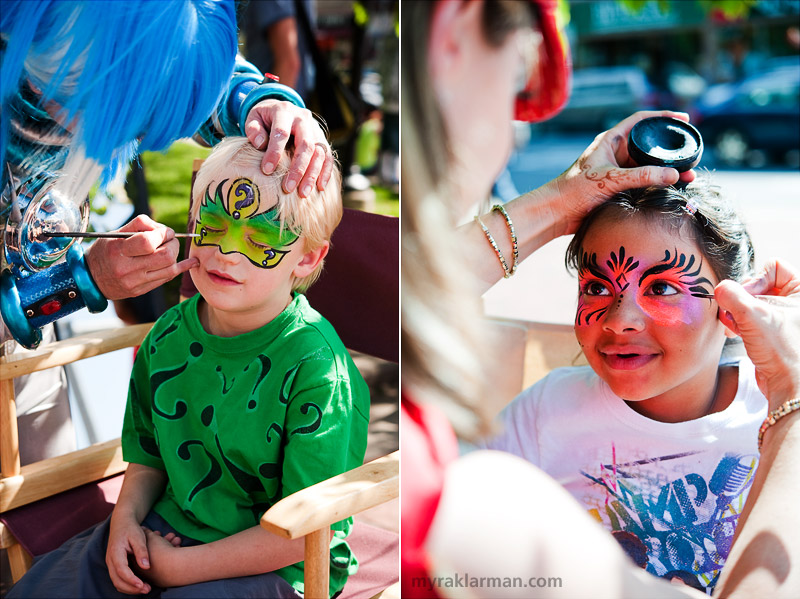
239, 423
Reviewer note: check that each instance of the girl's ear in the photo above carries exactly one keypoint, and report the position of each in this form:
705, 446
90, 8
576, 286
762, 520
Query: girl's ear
728, 333
310, 261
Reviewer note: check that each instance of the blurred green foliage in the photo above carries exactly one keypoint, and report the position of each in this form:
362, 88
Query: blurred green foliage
360, 14
387, 201
169, 181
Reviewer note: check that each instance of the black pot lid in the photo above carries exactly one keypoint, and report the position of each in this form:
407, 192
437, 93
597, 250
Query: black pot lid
665, 141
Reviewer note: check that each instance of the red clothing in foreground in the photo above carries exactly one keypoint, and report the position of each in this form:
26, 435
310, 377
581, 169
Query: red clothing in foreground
427, 446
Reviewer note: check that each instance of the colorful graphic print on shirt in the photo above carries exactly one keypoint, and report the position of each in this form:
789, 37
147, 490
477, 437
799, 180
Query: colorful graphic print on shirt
674, 525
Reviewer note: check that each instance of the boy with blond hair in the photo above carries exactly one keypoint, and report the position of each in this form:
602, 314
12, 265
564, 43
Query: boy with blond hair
239, 397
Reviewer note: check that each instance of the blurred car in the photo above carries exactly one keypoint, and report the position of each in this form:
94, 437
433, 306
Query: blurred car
684, 84
754, 121
603, 96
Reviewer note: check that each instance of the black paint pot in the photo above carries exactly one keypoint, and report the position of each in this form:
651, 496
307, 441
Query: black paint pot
665, 141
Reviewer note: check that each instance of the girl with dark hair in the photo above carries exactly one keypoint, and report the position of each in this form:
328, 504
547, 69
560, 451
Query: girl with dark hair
490, 521
659, 416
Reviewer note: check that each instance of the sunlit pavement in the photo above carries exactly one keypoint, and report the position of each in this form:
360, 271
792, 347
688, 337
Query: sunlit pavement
542, 289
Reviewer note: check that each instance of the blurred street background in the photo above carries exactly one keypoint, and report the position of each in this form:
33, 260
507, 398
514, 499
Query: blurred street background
734, 66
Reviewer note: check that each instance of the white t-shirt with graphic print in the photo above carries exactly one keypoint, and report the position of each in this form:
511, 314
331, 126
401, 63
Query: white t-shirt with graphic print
670, 493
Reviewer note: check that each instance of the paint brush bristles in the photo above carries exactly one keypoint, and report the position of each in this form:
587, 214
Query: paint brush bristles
112, 235
770, 299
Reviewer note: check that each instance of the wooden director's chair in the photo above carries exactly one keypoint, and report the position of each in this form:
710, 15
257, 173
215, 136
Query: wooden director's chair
45, 503
531, 350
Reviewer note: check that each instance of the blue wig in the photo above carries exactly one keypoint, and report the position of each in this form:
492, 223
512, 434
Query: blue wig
129, 75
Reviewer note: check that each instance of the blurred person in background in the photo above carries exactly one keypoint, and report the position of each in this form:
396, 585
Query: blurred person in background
276, 43
468, 69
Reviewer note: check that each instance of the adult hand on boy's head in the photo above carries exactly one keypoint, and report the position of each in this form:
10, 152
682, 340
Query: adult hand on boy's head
270, 124
769, 327
605, 168
133, 266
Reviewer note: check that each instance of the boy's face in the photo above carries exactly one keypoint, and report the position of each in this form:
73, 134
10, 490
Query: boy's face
247, 265
230, 220
639, 325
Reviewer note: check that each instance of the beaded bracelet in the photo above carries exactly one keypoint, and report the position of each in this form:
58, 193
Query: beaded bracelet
775, 415
513, 233
497, 251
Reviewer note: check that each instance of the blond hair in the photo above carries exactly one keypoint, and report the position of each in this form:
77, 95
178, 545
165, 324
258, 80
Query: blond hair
313, 218
447, 359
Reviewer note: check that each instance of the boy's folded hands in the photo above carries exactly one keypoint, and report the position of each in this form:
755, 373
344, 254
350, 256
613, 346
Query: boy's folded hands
128, 550
163, 552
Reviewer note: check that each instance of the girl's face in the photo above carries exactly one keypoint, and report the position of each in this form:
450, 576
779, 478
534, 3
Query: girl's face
640, 327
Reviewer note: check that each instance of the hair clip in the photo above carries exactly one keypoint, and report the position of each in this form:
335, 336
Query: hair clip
690, 206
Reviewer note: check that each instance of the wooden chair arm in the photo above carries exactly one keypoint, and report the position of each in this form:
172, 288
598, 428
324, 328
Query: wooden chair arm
55, 475
6, 538
71, 350
329, 501
392, 592
310, 512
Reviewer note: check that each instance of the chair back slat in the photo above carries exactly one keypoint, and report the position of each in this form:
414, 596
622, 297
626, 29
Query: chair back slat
71, 350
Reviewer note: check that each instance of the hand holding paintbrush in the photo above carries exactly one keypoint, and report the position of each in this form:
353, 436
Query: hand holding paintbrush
776, 300
141, 256
765, 312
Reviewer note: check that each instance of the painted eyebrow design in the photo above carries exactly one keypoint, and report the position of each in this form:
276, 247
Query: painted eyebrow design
620, 267
588, 263
683, 268
617, 264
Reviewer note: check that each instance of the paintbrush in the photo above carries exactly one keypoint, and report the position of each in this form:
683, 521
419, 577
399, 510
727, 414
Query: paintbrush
772, 299
111, 235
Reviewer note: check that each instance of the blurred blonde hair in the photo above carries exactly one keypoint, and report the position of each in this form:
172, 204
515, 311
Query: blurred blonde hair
446, 357
313, 218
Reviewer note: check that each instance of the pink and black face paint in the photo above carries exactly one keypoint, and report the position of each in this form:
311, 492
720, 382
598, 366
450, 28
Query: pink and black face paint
681, 268
588, 267
684, 270
619, 267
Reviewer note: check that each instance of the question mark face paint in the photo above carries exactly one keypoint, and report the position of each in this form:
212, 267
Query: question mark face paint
234, 224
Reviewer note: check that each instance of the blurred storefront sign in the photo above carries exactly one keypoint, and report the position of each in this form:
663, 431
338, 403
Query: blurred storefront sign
593, 18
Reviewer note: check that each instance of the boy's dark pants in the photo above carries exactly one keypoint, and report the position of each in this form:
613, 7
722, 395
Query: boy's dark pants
78, 569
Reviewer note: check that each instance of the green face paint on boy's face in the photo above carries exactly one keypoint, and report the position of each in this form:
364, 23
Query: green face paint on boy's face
230, 225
